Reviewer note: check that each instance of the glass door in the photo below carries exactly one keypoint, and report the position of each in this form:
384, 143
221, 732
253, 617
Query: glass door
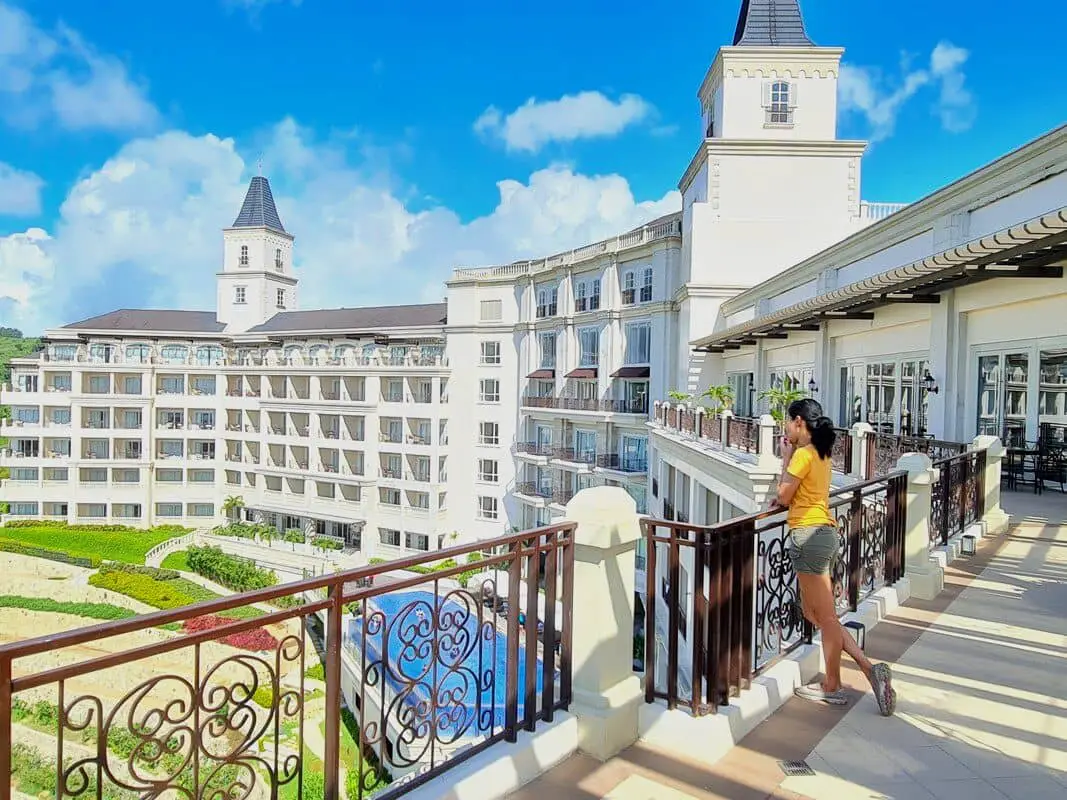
1003, 389
1052, 396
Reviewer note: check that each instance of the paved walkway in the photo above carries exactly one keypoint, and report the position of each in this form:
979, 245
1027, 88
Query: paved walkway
982, 701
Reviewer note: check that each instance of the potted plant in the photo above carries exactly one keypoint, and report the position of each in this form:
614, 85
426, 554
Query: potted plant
232, 506
779, 398
722, 398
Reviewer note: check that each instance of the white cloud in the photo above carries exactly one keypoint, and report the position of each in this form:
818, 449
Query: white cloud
57, 76
586, 115
20, 191
865, 90
145, 228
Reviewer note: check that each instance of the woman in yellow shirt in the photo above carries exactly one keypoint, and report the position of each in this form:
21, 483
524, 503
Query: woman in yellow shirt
814, 550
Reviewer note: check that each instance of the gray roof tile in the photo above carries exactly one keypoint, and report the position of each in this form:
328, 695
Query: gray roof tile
771, 23
369, 319
136, 319
258, 209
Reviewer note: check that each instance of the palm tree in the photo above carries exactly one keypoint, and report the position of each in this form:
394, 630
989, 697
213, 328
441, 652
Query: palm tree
780, 398
679, 397
232, 505
721, 396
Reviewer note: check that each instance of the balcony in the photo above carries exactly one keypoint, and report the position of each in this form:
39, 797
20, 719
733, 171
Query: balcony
537, 449
621, 462
607, 406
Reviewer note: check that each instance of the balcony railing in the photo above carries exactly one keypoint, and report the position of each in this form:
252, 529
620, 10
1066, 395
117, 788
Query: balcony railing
583, 404
957, 497
573, 455
884, 450
533, 489
222, 708
534, 448
704, 641
621, 462
737, 433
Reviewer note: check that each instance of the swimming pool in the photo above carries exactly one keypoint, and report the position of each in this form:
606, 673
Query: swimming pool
436, 647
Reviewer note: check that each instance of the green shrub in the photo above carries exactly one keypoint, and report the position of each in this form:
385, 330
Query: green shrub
295, 535
244, 530
467, 574
92, 543
51, 555
137, 569
238, 574
317, 672
264, 697
167, 594
327, 543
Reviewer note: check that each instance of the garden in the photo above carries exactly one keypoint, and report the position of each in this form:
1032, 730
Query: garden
87, 545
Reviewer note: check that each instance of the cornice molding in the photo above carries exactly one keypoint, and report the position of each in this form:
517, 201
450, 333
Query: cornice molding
709, 148
794, 62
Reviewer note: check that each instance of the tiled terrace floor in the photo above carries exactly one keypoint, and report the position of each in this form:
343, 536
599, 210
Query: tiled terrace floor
982, 709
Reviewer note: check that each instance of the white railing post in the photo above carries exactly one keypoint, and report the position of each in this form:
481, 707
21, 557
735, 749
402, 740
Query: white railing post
926, 577
859, 433
607, 693
995, 518
724, 422
768, 431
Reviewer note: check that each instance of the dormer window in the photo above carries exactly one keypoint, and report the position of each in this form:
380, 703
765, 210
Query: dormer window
779, 101
243, 260
278, 263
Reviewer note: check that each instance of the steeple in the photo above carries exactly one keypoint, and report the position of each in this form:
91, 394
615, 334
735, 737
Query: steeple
771, 23
258, 209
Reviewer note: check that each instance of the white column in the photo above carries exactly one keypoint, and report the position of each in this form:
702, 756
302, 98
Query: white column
859, 433
607, 694
926, 577
995, 518
768, 431
944, 338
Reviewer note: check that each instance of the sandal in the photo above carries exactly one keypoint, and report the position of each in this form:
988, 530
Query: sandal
815, 693
882, 684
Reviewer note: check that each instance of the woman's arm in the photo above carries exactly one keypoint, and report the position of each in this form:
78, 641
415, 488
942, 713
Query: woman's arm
787, 482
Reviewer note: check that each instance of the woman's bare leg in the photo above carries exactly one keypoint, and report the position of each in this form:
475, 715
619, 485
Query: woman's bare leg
817, 599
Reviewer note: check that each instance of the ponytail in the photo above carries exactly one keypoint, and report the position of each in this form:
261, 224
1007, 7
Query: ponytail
823, 437
819, 426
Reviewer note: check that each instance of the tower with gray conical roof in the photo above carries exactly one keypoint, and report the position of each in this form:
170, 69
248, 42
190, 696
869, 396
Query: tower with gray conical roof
257, 279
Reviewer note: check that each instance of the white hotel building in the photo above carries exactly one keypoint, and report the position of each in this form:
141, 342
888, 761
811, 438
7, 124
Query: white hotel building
395, 427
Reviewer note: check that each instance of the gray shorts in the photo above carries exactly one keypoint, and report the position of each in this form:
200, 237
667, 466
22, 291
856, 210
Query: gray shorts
814, 550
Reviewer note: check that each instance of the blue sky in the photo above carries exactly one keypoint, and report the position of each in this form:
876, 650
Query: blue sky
127, 135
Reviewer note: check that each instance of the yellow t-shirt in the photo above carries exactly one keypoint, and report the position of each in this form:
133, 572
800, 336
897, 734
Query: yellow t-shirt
810, 506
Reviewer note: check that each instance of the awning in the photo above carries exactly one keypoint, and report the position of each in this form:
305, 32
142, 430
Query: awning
543, 374
1026, 250
632, 372
587, 373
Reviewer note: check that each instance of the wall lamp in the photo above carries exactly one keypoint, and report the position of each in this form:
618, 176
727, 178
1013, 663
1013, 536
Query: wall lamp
929, 384
813, 387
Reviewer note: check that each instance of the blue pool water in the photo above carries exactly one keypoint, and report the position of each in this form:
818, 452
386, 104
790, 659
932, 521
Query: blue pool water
437, 647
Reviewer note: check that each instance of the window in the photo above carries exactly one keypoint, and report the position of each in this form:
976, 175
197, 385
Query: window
131, 384
281, 298
239, 295
168, 509
489, 433
547, 302
488, 470
242, 262
201, 510
638, 343
126, 510
279, 265
126, 475
24, 509
389, 537
490, 390
589, 344
487, 508
168, 476
646, 285
629, 288
547, 344
138, 353
490, 352
492, 310
416, 541
56, 474
587, 295
201, 476
779, 100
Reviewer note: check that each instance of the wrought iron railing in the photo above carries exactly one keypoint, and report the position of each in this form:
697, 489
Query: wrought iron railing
884, 450
222, 698
957, 497
842, 452
622, 462
739, 433
735, 582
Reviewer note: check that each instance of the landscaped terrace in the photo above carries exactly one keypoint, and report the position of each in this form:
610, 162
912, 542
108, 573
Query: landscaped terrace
417, 697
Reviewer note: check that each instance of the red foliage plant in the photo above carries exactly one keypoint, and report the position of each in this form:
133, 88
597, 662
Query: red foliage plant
255, 640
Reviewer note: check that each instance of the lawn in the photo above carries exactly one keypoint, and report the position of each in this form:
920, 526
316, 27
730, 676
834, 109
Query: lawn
178, 560
163, 592
129, 545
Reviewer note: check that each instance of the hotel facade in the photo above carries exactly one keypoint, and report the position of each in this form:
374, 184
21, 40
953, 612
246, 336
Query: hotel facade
403, 428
